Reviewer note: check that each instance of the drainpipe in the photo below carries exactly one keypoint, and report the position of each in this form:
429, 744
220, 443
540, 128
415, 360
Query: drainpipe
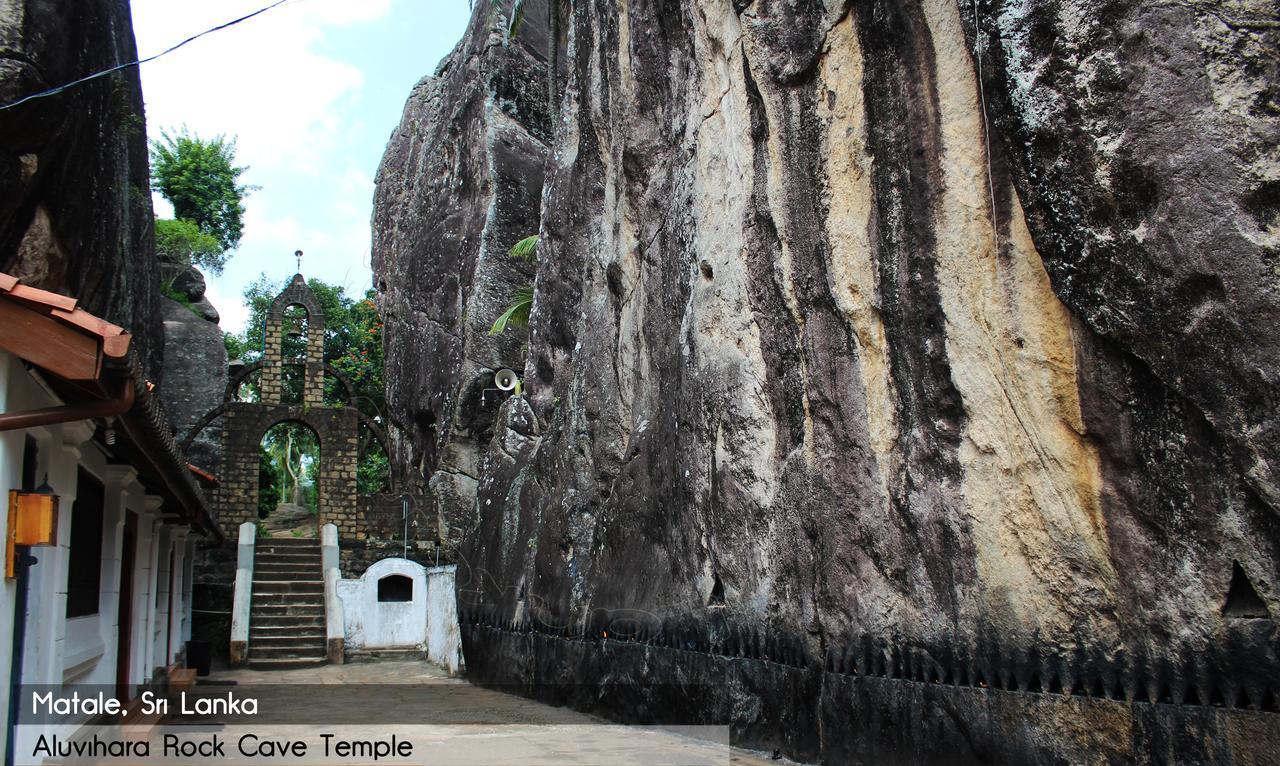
24, 562
101, 408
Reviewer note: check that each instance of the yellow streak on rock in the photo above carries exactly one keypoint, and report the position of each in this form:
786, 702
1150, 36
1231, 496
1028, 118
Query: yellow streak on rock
849, 197
1031, 481
718, 319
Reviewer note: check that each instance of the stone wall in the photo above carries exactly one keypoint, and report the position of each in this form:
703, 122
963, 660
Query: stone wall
380, 533
902, 709
244, 424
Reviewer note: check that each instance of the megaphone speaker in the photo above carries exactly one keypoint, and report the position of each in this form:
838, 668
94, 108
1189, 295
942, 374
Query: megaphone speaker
506, 380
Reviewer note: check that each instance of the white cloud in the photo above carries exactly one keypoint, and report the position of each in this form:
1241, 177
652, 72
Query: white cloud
261, 81
233, 314
292, 108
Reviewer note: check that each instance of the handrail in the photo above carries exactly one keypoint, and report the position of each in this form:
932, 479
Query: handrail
242, 598
334, 624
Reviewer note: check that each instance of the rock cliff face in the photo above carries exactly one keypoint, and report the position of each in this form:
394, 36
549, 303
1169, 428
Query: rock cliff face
195, 378
860, 359
459, 185
75, 201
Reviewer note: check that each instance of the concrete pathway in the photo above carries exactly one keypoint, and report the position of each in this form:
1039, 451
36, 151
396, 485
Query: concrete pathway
447, 721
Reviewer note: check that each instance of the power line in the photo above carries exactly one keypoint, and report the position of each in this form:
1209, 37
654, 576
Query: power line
60, 88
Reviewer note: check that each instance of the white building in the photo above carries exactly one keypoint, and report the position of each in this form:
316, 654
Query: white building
108, 606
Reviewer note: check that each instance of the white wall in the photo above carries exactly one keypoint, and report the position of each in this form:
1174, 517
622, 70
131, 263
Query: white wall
429, 621
370, 624
444, 641
83, 650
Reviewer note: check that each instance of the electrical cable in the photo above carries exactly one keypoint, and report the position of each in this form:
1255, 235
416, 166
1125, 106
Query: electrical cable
60, 88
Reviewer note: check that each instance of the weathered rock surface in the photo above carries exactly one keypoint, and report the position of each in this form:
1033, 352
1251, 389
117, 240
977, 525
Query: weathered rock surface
823, 375
195, 379
75, 202
460, 184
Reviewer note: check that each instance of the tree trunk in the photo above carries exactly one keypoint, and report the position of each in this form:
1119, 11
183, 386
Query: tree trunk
288, 466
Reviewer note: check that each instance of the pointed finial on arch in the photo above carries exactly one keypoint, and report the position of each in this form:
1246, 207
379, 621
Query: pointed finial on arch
298, 254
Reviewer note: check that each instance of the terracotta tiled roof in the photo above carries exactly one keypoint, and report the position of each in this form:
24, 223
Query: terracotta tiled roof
115, 339
88, 359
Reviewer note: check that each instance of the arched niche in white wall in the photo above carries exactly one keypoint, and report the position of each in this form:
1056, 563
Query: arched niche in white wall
386, 607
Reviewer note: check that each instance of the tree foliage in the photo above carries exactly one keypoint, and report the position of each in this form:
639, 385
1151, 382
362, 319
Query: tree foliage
268, 482
290, 454
179, 241
517, 314
200, 179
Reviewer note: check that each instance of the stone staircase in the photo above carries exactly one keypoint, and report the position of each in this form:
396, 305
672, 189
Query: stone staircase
286, 622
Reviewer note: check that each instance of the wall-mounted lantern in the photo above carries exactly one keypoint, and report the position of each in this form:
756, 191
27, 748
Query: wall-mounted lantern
33, 520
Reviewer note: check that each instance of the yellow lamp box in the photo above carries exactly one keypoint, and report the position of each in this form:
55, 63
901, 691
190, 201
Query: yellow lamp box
33, 520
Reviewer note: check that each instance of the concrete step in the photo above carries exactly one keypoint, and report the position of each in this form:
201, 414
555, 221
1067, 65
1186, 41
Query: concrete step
309, 631
287, 610
298, 559
288, 541
291, 621
263, 557
287, 599
287, 586
309, 643
386, 655
289, 652
286, 571
287, 664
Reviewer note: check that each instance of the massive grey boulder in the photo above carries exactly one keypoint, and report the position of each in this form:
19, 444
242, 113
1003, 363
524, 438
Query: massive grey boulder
868, 375
195, 379
75, 201
459, 185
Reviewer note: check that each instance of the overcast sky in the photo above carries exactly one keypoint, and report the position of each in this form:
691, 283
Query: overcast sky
312, 91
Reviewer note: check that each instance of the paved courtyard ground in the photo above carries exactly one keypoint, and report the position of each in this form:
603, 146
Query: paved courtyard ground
449, 720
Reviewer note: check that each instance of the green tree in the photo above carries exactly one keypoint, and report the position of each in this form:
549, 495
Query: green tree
517, 314
179, 241
200, 179
269, 482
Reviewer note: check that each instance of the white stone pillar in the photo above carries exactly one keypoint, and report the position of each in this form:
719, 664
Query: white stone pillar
144, 612
159, 650
188, 584
47, 587
119, 480
178, 603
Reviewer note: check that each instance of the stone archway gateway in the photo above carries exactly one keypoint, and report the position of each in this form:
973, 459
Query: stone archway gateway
288, 496
291, 390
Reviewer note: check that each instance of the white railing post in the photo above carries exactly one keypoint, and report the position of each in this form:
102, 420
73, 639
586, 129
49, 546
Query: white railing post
242, 598
334, 627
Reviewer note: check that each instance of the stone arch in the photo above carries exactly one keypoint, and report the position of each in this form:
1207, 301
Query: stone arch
297, 294
273, 359
202, 424
234, 383
244, 426
380, 435
319, 437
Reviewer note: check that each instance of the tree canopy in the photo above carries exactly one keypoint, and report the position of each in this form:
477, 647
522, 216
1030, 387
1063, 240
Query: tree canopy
179, 241
200, 179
